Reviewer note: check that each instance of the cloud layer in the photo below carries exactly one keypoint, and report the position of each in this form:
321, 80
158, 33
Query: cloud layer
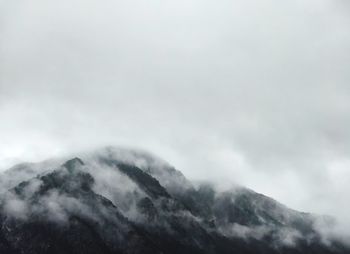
237, 91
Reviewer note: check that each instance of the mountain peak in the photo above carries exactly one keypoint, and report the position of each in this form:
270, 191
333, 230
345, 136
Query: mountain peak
73, 163
92, 206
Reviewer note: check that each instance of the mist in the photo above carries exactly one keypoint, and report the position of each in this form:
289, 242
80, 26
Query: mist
248, 92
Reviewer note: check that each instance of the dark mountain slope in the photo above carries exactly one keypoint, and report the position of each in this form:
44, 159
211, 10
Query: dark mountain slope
107, 205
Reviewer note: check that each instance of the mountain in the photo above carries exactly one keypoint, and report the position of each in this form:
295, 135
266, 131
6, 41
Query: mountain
121, 201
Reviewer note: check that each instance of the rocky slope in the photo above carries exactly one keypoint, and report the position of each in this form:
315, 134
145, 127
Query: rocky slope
119, 201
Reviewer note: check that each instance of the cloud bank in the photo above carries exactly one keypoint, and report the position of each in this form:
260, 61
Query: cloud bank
232, 91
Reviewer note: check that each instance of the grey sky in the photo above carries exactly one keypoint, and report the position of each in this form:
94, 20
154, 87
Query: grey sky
248, 91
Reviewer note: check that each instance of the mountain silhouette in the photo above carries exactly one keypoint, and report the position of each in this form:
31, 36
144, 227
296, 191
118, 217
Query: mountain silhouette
124, 201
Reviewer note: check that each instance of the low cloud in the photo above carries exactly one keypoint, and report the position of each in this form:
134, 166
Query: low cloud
251, 92
270, 219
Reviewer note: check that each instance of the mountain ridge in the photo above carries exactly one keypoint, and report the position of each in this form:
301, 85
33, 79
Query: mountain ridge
104, 205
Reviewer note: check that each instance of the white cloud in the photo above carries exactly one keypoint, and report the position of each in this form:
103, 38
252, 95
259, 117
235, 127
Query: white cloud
252, 91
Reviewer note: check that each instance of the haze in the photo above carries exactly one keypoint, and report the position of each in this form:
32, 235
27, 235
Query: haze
249, 92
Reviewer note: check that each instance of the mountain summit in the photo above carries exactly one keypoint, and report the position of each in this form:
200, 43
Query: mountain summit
120, 201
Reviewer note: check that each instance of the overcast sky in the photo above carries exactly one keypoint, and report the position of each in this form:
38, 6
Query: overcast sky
247, 91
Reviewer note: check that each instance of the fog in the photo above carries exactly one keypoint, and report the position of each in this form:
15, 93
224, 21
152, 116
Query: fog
249, 92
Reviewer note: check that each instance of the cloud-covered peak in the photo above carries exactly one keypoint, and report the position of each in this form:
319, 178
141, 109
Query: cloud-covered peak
73, 163
116, 199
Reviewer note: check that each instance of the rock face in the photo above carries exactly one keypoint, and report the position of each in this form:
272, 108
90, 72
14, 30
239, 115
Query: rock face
129, 202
